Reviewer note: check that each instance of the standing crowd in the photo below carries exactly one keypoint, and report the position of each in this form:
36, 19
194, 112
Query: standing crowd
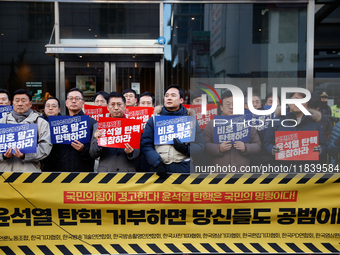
178, 157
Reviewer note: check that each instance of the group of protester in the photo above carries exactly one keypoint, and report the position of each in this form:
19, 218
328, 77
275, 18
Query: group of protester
179, 157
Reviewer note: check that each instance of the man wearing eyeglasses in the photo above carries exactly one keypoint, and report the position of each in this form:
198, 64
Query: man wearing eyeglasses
226, 153
114, 159
23, 114
130, 96
76, 157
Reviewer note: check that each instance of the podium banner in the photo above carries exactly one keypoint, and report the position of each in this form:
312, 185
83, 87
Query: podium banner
132, 213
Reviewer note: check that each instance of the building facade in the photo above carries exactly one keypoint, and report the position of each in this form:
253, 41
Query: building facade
51, 47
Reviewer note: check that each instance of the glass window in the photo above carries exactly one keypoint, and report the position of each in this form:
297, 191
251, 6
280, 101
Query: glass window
264, 43
109, 21
25, 29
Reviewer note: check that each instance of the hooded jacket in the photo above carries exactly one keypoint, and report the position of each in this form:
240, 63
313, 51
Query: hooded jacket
31, 161
174, 161
307, 123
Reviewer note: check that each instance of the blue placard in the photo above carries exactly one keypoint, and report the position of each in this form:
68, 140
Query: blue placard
262, 122
66, 129
5, 109
226, 129
169, 127
21, 136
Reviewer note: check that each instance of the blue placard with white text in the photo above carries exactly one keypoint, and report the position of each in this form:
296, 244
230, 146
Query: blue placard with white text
66, 129
169, 127
232, 128
5, 109
21, 136
262, 122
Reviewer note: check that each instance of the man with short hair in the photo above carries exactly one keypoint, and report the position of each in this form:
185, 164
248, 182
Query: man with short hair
100, 98
4, 97
23, 114
269, 99
146, 99
130, 96
174, 158
75, 157
256, 102
196, 97
226, 153
114, 159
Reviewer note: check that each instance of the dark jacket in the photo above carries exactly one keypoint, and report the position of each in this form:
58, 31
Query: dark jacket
71, 160
150, 153
332, 149
308, 123
113, 159
50, 164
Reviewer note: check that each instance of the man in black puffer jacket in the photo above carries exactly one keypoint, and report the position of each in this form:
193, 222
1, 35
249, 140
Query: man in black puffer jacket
172, 158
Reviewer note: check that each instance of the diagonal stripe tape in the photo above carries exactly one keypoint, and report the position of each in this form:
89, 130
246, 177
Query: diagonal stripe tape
269, 179
277, 248
137, 248
217, 179
155, 248
294, 247
101, 249
118, 248
287, 179
209, 248
224, 247
107, 178
252, 179
234, 179
70, 178
242, 247
305, 179
13, 177
89, 177
337, 180
145, 178
258, 247
191, 248
199, 179
26, 250
162, 179
330, 247
64, 250
324, 178
45, 250
7, 250
181, 179
82, 249
51, 178
32, 177
127, 177
312, 247
173, 248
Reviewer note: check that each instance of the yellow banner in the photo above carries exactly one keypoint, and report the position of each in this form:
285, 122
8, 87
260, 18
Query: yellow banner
98, 213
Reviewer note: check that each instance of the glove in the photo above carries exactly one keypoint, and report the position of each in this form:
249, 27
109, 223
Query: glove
318, 148
275, 150
180, 147
160, 170
337, 142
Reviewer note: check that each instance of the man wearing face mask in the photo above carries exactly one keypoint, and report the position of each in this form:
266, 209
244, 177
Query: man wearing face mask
324, 107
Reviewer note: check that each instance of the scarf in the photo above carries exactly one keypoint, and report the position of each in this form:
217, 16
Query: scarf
19, 117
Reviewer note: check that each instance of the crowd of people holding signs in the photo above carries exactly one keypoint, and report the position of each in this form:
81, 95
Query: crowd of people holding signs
125, 133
